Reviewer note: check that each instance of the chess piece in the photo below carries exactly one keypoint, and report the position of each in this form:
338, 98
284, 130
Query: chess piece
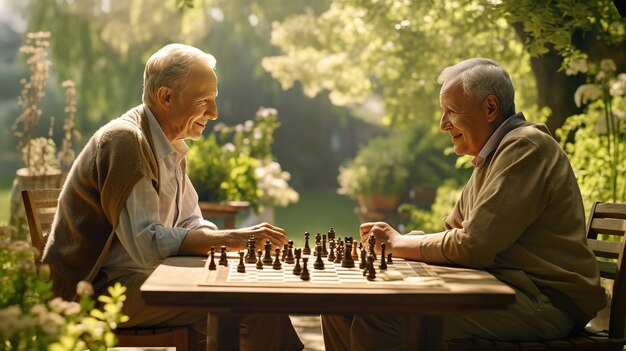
289, 259
348, 261
251, 257
223, 259
285, 249
241, 268
304, 275
319, 263
324, 251
331, 254
371, 271
212, 266
307, 248
355, 254
383, 263
259, 263
389, 260
318, 242
277, 265
372, 243
339, 257
363, 259
331, 234
297, 269
268, 253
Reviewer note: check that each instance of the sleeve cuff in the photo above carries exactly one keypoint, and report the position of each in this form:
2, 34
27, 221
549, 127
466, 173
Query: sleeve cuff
169, 239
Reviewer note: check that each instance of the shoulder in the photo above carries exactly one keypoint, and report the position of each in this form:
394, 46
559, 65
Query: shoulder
122, 132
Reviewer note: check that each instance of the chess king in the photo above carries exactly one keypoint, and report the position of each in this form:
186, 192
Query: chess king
519, 217
127, 203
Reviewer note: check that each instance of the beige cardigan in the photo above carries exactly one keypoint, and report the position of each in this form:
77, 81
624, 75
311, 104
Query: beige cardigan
116, 157
521, 217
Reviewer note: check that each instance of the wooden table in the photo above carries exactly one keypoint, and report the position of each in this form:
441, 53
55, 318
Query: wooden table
176, 283
226, 210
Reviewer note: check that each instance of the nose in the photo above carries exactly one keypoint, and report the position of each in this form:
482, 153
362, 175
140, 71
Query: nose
211, 111
444, 123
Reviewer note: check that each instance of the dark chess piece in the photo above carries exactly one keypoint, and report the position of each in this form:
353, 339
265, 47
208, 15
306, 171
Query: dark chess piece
331, 254
297, 269
339, 257
268, 253
355, 253
289, 259
319, 263
324, 251
371, 271
304, 275
259, 263
307, 248
212, 265
223, 259
241, 268
383, 263
318, 242
348, 261
389, 260
331, 234
363, 259
372, 243
251, 257
277, 265
285, 249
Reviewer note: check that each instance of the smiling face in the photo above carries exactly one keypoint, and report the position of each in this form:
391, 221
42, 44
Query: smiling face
470, 123
190, 108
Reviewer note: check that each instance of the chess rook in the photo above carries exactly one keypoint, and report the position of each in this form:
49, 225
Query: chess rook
277, 265
212, 265
307, 249
268, 253
241, 268
319, 263
259, 263
304, 275
223, 259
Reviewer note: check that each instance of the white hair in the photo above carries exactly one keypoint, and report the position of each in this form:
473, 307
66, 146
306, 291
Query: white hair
170, 67
481, 77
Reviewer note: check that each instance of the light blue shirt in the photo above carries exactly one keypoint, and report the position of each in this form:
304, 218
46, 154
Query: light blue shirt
153, 225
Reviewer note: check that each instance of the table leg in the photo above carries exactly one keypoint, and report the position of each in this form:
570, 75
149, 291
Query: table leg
223, 332
424, 333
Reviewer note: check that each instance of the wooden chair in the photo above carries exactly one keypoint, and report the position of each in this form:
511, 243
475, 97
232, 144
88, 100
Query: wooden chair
40, 206
608, 219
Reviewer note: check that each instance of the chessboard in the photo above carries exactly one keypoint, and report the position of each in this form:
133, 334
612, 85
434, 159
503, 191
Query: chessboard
402, 275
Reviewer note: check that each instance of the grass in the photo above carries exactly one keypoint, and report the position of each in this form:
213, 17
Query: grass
317, 211
5, 198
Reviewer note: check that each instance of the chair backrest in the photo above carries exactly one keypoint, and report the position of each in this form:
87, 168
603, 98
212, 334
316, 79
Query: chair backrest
40, 206
609, 219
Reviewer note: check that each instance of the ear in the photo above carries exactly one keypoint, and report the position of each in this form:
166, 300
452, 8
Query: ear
164, 97
491, 106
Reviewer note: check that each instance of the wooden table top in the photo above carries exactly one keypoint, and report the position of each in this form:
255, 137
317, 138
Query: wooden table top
179, 281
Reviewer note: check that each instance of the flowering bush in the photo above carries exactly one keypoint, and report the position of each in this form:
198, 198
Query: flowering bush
596, 141
30, 320
236, 163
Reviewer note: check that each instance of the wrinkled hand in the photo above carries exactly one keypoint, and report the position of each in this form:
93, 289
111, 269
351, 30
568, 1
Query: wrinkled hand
262, 232
383, 232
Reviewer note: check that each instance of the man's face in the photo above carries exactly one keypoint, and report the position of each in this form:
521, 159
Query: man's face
194, 105
466, 120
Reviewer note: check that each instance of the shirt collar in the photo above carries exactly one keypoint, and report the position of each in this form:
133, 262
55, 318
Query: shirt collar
490, 146
162, 146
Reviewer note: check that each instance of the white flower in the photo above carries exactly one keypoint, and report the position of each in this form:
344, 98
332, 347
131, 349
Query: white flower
607, 65
575, 66
617, 88
229, 147
219, 127
587, 93
248, 125
84, 287
266, 112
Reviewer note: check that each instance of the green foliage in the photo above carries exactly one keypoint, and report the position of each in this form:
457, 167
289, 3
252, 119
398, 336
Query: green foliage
381, 166
596, 141
432, 221
30, 320
222, 173
394, 49
237, 163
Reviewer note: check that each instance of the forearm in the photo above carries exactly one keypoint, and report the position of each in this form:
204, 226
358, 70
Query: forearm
408, 246
198, 242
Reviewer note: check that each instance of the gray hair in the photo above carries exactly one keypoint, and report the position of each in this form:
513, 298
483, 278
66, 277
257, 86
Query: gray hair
481, 77
170, 67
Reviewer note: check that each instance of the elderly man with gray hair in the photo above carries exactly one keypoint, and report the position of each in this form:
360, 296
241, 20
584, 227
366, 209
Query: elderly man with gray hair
520, 217
127, 203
